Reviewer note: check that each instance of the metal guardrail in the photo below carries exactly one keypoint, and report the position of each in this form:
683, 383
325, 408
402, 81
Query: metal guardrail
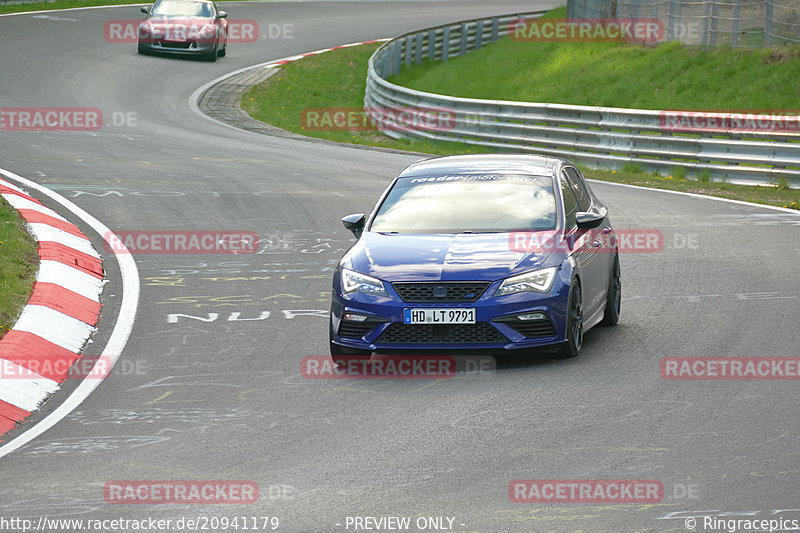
604, 137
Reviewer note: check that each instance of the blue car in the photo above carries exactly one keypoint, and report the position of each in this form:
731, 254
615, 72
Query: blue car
488, 252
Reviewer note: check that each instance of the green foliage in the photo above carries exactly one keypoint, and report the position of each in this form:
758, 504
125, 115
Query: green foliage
325, 83
665, 76
19, 262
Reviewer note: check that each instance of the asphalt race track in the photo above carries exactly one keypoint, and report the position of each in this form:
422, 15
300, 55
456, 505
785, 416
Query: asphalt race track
224, 399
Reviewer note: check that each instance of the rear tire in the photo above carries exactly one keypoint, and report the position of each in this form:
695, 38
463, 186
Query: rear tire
614, 297
574, 341
224, 51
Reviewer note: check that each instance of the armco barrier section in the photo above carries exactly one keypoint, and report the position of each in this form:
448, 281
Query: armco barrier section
604, 137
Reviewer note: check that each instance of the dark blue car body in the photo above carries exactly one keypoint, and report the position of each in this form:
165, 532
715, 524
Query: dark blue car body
445, 271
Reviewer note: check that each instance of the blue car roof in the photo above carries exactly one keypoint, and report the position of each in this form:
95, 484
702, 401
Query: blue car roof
488, 163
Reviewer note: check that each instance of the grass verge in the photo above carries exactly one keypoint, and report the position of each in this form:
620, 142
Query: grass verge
665, 76
777, 195
334, 80
61, 4
66, 4
337, 79
19, 262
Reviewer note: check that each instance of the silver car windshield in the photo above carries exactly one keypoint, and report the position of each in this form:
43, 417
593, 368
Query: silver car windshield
468, 203
180, 8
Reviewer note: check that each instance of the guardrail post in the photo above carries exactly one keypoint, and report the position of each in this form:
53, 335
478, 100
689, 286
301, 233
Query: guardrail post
408, 54
386, 61
712, 33
479, 35
735, 30
432, 45
418, 49
674, 14
495, 29
464, 31
769, 22
397, 57
446, 44
634, 10
380, 65
668, 33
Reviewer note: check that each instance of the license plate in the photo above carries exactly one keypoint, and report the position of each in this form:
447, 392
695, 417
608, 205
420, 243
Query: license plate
176, 32
439, 316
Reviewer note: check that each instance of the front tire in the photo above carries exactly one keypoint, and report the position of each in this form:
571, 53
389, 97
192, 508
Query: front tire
212, 55
574, 341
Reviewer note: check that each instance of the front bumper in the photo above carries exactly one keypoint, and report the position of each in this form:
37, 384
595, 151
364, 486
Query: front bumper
189, 47
497, 324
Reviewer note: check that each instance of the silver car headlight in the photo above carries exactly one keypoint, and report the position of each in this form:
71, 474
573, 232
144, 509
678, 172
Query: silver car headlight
145, 29
536, 281
208, 32
356, 282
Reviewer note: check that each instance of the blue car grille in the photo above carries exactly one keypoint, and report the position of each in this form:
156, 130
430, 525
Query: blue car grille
479, 333
447, 291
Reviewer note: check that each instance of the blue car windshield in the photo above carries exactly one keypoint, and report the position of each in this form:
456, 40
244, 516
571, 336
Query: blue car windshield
182, 8
468, 203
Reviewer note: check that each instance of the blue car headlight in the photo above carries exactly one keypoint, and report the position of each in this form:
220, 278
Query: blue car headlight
356, 282
536, 281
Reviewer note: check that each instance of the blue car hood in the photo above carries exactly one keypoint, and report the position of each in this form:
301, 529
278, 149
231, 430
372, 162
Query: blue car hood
440, 257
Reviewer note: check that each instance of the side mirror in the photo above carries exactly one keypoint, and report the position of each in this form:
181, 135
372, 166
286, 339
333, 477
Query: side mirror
590, 219
145, 9
222, 14
355, 223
